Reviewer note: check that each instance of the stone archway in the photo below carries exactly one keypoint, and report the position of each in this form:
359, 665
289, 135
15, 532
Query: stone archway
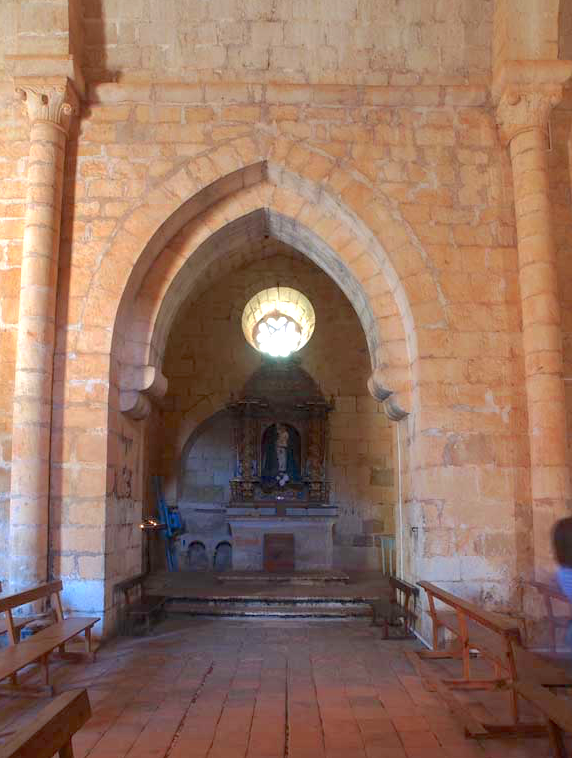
138, 284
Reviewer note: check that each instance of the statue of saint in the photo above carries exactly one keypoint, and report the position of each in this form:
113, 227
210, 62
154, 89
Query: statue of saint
282, 442
281, 454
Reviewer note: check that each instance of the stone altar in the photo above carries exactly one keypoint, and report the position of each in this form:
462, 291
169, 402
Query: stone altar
280, 484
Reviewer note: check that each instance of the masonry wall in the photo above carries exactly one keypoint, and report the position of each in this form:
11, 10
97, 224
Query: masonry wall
349, 41
381, 108
433, 154
13, 162
561, 197
208, 358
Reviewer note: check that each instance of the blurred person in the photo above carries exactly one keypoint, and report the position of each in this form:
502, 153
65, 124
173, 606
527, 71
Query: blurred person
562, 541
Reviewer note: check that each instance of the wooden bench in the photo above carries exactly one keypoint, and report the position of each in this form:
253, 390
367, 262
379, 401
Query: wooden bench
19, 622
37, 649
552, 595
496, 637
52, 729
142, 608
557, 711
398, 606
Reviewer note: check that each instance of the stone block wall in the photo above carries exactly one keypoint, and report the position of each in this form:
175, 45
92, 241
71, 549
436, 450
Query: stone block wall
432, 153
374, 149
345, 41
14, 136
208, 466
560, 195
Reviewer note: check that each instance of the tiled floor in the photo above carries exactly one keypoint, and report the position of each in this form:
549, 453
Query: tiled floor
265, 689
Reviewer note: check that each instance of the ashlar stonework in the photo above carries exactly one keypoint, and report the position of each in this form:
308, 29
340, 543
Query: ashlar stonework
404, 164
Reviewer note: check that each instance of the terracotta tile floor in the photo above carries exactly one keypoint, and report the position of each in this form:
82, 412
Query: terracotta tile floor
265, 689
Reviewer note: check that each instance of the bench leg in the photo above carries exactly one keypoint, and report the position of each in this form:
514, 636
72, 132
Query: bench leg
466, 662
66, 751
88, 649
514, 706
14, 679
556, 740
45, 663
62, 649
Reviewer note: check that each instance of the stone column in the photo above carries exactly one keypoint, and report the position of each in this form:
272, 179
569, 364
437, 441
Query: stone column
523, 114
50, 106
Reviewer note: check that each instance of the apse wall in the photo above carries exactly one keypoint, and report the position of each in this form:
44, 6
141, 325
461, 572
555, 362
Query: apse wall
207, 359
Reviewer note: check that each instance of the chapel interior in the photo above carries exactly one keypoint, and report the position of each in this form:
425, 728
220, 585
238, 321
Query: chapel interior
285, 378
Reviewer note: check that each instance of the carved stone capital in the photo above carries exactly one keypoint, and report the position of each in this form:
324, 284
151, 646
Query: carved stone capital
522, 108
48, 101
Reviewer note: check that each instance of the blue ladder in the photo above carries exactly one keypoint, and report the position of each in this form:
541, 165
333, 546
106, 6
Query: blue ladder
170, 516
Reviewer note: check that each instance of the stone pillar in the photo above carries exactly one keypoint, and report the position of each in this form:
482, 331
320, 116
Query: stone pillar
50, 106
523, 114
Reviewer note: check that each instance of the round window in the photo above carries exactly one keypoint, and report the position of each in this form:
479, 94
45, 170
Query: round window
278, 321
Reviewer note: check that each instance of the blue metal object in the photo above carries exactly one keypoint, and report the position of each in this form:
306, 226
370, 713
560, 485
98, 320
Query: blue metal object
170, 516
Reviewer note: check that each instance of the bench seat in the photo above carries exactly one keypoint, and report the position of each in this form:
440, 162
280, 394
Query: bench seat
63, 631
52, 729
37, 648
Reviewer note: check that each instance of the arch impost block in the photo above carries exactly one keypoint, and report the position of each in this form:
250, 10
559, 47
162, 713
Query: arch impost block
52, 100
376, 388
134, 404
143, 385
393, 411
525, 92
379, 392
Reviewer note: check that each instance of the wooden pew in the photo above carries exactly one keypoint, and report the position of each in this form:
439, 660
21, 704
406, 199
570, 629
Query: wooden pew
556, 711
551, 595
52, 729
400, 604
18, 623
37, 649
142, 608
497, 638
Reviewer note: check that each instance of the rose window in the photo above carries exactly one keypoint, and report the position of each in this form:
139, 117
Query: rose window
278, 321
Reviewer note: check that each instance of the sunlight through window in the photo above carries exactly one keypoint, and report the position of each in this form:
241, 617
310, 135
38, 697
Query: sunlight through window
278, 321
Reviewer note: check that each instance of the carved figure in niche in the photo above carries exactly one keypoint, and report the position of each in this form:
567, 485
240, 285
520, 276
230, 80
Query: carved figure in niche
281, 454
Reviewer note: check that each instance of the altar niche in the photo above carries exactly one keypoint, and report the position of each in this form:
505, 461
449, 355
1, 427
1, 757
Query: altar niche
280, 491
280, 430
281, 451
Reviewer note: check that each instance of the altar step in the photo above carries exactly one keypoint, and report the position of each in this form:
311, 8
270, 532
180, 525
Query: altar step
242, 607
294, 577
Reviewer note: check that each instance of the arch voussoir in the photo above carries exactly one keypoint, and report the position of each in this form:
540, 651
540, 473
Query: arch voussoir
331, 214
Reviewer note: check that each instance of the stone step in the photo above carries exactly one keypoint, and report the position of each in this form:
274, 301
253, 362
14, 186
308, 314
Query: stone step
284, 609
296, 577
